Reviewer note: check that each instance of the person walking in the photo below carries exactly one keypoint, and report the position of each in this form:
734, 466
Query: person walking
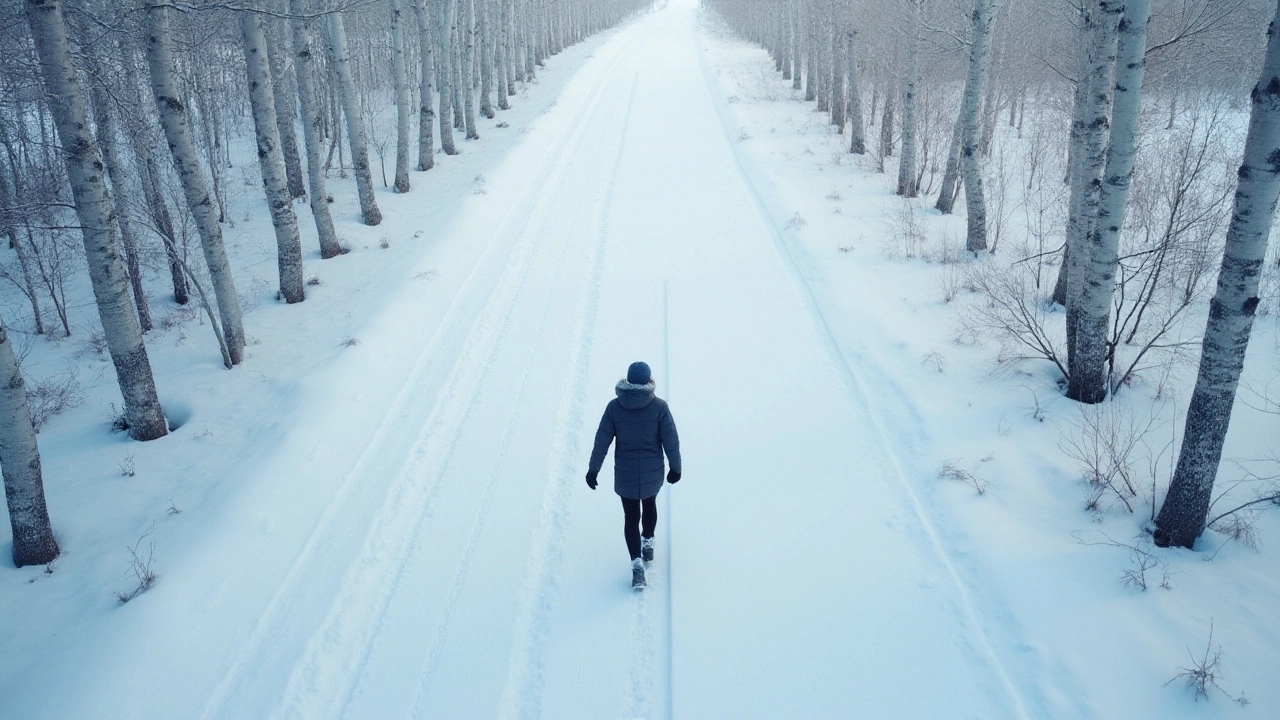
644, 429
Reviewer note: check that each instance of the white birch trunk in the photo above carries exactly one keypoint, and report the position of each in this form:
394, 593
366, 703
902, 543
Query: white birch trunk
116, 174
1231, 313
797, 66
177, 130
275, 182
838, 68
810, 60
857, 129
444, 29
400, 75
951, 173
312, 129
139, 131
1090, 161
94, 211
33, 541
908, 186
468, 68
341, 61
426, 88
486, 61
1103, 245
502, 60
284, 117
971, 161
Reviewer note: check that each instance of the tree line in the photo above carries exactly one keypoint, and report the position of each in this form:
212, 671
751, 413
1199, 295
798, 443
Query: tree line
1115, 60
115, 125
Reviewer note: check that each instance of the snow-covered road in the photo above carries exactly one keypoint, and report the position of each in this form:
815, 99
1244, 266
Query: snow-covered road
458, 566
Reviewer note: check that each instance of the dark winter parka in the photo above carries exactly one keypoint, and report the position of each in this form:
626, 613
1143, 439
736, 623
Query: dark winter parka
644, 429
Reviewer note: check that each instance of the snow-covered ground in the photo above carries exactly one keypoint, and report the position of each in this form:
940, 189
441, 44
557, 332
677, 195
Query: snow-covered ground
383, 513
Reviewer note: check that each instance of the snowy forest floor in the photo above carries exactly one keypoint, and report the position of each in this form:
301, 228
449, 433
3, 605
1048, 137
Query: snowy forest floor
382, 513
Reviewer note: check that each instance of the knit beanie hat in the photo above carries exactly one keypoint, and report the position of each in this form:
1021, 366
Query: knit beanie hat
639, 374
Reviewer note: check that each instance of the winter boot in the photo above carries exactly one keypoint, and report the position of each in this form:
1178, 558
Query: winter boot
646, 549
637, 574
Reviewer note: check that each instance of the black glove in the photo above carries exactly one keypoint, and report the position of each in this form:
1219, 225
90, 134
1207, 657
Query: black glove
591, 479
673, 477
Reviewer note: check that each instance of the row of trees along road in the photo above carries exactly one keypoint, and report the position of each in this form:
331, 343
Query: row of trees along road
999, 54
119, 112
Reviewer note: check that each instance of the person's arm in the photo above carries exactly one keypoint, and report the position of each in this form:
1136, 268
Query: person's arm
604, 437
670, 442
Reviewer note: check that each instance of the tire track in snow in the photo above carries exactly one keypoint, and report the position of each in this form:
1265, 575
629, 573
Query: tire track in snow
432, 656
522, 697
856, 393
325, 679
292, 590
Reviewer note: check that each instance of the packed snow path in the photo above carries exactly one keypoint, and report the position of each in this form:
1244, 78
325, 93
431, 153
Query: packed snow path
460, 568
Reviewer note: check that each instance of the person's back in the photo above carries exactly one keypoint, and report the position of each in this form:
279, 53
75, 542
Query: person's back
645, 432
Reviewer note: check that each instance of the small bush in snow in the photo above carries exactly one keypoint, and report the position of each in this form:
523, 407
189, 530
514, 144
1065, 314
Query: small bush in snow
906, 236
951, 470
1108, 444
96, 344
1205, 673
1142, 562
834, 196
1240, 526
797, 221
141, 567
1012, 310
935, 360
127, 467
49, 397
119, 421
385, 242
349, 342
313, 280
950, 283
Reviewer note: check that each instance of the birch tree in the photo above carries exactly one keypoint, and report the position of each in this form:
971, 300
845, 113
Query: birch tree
284, 116
94, 211
970, 107
313, 124
139, 131
486, 61
857, 131
1226, 337
908, 176
467, 88
340, 58
838, 67
426, 87
1088, 365
444, 29
950, 188
115, 172
1089, 134
274, 179
177, 130
401, 81
33, 541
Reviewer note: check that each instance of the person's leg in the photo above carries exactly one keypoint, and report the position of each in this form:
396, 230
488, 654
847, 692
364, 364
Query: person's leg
631, 526
649, 516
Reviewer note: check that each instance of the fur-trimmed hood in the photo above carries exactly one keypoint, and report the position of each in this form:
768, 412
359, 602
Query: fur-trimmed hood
634, 397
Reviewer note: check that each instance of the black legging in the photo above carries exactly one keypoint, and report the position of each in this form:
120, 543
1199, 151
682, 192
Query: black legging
637, 513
